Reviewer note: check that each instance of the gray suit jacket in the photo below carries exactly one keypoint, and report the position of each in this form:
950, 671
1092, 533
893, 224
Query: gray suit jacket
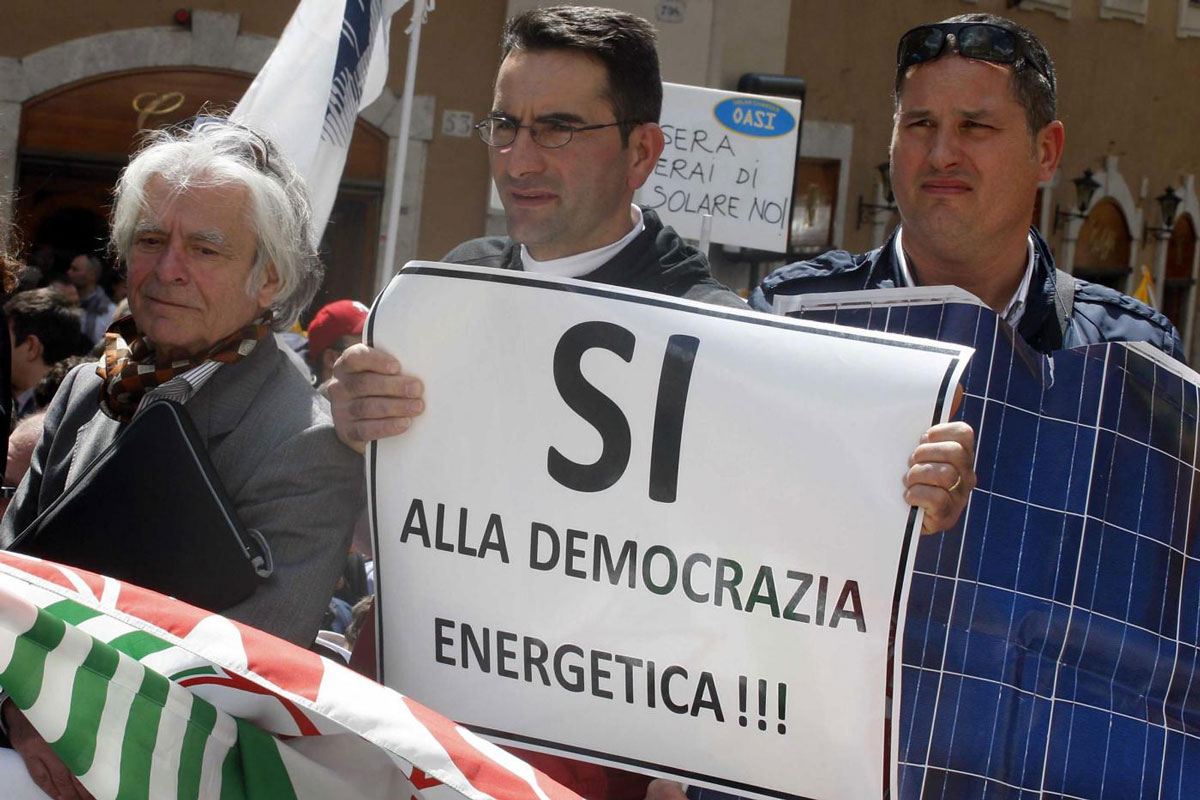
271, 440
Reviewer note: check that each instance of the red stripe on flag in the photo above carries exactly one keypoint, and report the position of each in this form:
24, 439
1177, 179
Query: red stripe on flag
483, 773
282, 663
46, 570
422, 780
235, 681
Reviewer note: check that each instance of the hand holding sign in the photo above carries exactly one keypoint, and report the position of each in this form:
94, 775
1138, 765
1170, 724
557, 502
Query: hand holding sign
941, 472
371, 397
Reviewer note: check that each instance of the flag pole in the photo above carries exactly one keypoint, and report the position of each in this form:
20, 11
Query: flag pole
396, 178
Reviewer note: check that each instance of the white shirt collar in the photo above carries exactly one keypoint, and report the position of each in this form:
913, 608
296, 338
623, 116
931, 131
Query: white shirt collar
583, 263
182, 387
1016, 304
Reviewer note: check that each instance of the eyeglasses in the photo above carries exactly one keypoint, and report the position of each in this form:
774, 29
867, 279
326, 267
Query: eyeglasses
549, 133
979, 40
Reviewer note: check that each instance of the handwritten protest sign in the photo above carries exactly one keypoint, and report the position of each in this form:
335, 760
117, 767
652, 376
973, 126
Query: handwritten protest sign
651, 533
729, 155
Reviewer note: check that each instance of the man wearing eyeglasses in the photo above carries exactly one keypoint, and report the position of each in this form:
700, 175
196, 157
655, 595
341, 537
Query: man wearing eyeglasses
974, 134
571, 136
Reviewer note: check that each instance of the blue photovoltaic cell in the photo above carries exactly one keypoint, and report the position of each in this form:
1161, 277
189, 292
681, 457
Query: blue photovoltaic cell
1051, 640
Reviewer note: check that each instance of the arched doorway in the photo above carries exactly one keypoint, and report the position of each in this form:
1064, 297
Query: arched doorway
1178, 280
75, 139
1104, 247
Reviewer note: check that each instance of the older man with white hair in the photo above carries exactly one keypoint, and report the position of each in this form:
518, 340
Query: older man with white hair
212, 225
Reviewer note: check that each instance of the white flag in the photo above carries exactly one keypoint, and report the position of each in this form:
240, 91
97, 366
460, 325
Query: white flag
330, 63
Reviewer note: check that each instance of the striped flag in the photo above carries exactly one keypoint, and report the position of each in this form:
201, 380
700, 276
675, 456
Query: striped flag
144, 696
330, 63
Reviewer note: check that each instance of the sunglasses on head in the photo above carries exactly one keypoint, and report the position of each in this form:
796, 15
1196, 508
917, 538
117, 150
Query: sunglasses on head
978, 40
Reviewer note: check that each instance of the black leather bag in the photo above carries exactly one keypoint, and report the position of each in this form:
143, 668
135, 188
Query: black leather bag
151, 510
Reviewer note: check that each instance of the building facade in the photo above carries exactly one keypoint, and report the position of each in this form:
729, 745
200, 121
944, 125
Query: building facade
75, 89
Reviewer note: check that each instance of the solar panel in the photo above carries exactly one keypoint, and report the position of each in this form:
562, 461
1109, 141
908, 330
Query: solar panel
1052, 641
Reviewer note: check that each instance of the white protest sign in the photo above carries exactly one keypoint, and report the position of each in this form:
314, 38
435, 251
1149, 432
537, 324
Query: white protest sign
730, 155
651, 533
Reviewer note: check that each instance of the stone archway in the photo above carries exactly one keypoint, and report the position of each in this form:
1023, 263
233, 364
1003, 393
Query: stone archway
1178, 279
1112, 223
1102, 254
212, 45
75, 139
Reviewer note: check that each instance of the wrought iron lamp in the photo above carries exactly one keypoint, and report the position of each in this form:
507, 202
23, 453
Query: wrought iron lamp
1085, 189
1168, 204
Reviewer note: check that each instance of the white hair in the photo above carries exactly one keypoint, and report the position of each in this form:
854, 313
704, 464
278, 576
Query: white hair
215, 152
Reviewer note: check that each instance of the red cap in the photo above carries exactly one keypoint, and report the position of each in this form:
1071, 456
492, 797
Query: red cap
339, 318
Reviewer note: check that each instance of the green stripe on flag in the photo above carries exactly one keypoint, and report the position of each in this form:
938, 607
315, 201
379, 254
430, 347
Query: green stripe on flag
22, 679
141, 732
71, 612
232, 786
139, 644
191, 754
77, 747
187, 673
263, 770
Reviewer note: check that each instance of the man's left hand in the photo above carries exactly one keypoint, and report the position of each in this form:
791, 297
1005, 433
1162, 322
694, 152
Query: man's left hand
941, 474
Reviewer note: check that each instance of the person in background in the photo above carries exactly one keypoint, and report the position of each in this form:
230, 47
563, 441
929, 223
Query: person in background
85, 273
10, 269
334, 328
43, 329
59, 282
117, 290
47, 387
21, 442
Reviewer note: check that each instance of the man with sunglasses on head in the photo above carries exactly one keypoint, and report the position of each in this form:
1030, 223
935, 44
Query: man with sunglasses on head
974, 134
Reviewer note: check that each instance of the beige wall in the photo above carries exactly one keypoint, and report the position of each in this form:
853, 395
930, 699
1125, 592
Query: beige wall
30, 26
1125, 89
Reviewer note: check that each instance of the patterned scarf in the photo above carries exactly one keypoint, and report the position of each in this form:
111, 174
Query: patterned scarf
130, 366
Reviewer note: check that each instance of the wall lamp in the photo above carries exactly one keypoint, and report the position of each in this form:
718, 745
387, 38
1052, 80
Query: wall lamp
1168, 204
885, 175
1085, 189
